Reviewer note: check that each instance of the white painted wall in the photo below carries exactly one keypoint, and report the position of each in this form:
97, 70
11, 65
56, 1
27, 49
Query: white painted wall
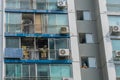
74, 41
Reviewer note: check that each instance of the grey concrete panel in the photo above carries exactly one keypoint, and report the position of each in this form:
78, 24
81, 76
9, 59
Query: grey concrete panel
91, 74
84, 4
86, 26
88, 49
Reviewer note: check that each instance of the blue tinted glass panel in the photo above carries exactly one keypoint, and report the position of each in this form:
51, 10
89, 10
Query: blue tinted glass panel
116, 44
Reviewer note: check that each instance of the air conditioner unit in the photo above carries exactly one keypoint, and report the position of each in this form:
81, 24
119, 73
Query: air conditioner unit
64, 30
64, 52
61, 3
117, 53
115, 29
67, 79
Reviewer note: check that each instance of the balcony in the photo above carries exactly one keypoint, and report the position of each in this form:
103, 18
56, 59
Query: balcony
34, 78
32, 4
35, 28
39, 78
18, 71
28, 54
113, 5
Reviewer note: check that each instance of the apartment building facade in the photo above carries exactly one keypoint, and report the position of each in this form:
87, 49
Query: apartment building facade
59, 39
37, 40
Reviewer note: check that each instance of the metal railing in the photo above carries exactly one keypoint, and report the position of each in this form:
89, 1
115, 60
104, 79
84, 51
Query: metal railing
50, 55
31, 4
113, 7
33, 78
34, 28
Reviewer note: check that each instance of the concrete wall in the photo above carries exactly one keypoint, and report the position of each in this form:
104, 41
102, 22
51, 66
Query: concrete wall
89, 49
1, 37
74, 41
105, 47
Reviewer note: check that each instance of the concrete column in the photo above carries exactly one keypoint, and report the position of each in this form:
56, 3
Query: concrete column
106, 47
74, 41
1, 47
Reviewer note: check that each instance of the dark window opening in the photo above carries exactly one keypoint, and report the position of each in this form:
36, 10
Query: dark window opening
85, 63
82, 38
79, 15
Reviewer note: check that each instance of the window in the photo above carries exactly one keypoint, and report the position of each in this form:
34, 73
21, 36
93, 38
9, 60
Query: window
13, 21
44, 71
41, 4
11, 41
13, 70
117, 68
113, 5
116, 44
59, 71
55, 22
52, 4
114, 20
12, 4
55, 45
88, 62
86, 38
83, 15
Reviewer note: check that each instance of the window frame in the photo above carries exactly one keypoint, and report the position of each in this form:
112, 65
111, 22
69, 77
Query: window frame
87, 64
81, 15
83, 39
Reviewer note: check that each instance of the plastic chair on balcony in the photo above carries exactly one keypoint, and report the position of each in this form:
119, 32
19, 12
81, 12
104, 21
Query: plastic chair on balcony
25, 52
44, 52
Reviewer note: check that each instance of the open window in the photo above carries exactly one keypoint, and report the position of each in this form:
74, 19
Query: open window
86, 38
83, 15
27, 23
87, 62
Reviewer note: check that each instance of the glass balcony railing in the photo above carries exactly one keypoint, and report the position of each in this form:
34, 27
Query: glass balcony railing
33, 4
34, 78
31, 54
50, 55
35, 28
113, 5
